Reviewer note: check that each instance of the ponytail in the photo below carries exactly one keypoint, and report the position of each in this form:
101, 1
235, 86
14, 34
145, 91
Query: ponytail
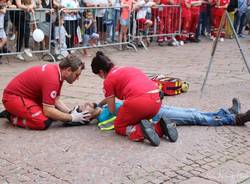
101, 62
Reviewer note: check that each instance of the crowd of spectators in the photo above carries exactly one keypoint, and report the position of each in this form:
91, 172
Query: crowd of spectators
109, 21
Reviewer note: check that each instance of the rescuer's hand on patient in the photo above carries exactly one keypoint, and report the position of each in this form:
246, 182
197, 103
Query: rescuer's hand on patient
80, 116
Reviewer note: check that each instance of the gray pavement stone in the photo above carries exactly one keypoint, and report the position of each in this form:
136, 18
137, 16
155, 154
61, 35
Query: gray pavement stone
87, 155
230, 172
197, 180
244, 158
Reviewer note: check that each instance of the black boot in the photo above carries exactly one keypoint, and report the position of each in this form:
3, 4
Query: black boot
5, 114
242, 118
149, 132
169, 129
236, 106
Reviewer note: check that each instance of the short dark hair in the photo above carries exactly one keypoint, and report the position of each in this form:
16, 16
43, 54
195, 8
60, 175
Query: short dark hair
101, 62
73, 62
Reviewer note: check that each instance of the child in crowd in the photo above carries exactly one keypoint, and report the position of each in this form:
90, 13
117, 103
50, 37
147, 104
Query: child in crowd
60, 36
3, 38
142, 7
90, 37
143, 24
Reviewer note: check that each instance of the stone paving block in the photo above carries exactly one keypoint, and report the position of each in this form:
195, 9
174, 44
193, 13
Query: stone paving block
246, 181
187, 168
198, 180
199, 169
230, 172
245, 158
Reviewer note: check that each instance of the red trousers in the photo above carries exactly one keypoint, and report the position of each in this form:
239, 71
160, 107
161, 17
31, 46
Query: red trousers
133, 111
176, 18
216, 24
194, 23
25, 112
185, 27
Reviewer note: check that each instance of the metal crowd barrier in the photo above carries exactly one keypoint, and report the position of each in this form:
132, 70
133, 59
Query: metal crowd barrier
162, 22
19, 26
89, 27
93, 27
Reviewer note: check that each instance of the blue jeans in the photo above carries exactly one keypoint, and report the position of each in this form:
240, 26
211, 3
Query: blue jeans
190, 116
116, 14
202, 24
239, 22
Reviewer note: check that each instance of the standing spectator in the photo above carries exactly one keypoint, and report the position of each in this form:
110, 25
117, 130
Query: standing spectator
240, 16
165, 19
233, 5
21, 20
60, 36
141, 15
90, 37
124, 21
116, 17
45, 26
218, 9
185, 21
202, 26
195, 15
70, 19
100, 16
100, 19
3, 38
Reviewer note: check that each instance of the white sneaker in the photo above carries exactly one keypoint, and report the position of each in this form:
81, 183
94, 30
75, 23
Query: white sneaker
13, 37
20, 57
212, 38
28, 52
60, 57
181, 42
222, 39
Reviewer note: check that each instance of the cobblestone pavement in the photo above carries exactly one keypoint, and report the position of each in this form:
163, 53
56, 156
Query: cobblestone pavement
203, 155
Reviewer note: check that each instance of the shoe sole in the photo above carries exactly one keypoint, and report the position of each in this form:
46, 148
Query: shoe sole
149, 133
236, 106
70, 124
169, 129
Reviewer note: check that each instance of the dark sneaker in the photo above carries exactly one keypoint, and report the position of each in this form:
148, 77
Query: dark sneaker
5, 114
149, 132
70, 123
169, 129
236, 106
196, 40
242, 118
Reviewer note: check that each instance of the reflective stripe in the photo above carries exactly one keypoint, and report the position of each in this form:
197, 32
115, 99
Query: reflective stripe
36, 114
154, 91
108, 128
24, 122
14, 120
107, 124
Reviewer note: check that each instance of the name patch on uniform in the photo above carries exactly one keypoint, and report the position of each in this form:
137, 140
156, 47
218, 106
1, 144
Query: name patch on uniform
53, 94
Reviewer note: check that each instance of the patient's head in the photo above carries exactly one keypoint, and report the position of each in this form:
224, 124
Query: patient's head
89, 107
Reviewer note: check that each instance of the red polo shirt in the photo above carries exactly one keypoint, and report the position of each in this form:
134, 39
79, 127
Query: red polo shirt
127, 82
186, 12
42, 84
